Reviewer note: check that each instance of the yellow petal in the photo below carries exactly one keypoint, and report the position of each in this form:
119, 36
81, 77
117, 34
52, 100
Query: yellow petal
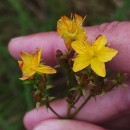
81, 47
67, 40
71, 29
107, 54
78, 19
46, 69
81, 34
26, 65
37, 57
28, 70
27, 58
20, 64
100, 42
98, 67
24, 77
81, 62
62, 25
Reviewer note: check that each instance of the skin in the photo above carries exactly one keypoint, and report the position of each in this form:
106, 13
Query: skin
111, 110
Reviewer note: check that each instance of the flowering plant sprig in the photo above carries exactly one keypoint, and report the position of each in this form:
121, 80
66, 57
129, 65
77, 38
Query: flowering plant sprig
83, 66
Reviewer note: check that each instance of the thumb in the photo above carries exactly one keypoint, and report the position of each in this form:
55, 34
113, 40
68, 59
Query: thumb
55, 124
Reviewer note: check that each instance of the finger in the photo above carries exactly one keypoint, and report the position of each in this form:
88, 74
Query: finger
120, 123
50, 42
106, 107
117, 34
56, 124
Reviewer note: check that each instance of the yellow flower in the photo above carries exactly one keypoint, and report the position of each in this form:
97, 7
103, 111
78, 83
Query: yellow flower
94, 55
71, 29
30, 65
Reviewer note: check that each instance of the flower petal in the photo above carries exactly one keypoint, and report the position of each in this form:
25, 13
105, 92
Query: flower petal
24, 77
62, 25
107, 54
27, 70
81, 34
81, 47
80, 62
100, 42
98, 67
46, 69
20, 64
78, 19
27, 58
37, 57
71, 29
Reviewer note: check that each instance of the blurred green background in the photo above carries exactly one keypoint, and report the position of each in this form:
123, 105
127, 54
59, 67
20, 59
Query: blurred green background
22, 17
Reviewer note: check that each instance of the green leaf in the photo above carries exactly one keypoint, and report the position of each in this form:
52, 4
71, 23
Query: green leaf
84, 93
38, 104
43, 99
57, 66
124, 85
74, 89
103, 93
49, 86
35, 86
37, 91
51, 98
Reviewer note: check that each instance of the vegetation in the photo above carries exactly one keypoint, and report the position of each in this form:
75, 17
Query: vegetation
22, 17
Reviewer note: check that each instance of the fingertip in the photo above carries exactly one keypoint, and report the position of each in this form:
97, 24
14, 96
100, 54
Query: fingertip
26, 121
34, 117
50, 43
12, 47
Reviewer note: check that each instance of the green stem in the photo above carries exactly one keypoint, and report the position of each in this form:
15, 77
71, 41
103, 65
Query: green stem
47, 104
68, 112
77, 99
82, 105
72, 105
60, 117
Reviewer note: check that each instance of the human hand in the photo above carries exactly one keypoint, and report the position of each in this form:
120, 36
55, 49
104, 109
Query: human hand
111, 110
